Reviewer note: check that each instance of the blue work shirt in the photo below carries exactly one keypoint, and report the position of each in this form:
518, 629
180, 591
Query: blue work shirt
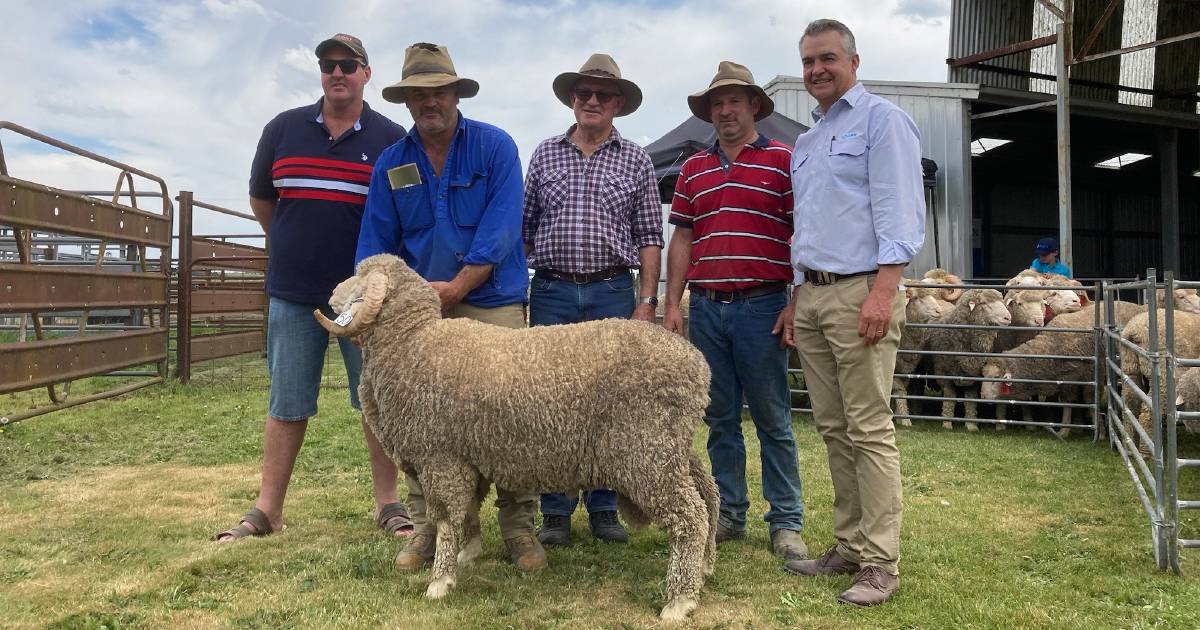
1058, 267
857, 188
471, 215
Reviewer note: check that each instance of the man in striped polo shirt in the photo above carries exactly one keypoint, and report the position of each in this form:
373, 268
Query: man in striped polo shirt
308, 184
732, 215
592, 213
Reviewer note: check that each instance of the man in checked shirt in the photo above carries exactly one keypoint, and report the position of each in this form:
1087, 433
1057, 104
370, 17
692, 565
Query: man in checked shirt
732, 213
592, 213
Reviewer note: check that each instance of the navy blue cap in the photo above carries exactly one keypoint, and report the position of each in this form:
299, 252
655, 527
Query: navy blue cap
1047, 245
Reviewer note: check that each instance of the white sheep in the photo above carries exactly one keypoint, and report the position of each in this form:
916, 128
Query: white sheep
981, 307
610, 403
921, 306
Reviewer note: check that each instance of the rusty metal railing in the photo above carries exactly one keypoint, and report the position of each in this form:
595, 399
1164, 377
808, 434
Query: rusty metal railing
32, 290
218, 279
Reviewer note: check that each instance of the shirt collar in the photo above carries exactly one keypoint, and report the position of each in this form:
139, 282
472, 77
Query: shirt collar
760, 142
614, 137
851, 98
320, 118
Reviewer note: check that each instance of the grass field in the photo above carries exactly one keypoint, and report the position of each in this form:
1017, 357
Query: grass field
108, 509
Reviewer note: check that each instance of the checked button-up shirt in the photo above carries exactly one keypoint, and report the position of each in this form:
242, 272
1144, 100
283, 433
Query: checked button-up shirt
585, 214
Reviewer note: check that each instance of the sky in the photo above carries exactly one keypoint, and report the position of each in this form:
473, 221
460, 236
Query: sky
183, 89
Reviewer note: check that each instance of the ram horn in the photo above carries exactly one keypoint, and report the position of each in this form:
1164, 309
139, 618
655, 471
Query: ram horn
372, 300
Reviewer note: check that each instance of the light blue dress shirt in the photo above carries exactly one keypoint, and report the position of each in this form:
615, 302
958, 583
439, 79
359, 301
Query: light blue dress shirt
856, 181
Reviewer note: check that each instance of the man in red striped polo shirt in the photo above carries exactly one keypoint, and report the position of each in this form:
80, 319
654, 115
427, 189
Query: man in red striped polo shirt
308, 185
732, 213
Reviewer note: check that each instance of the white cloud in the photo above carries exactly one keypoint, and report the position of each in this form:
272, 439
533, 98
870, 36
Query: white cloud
183, 89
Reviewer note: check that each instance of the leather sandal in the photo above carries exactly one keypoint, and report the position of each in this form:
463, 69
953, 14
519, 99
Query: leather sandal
393, 518
256, 518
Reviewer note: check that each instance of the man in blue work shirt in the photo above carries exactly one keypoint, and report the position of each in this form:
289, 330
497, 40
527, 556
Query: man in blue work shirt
1047, 258
448, 200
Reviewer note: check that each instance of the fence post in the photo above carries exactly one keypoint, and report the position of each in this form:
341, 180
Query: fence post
1170, 520
183, 312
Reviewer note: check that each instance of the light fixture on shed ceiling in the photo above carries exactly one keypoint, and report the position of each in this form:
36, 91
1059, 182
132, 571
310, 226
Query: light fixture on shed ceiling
1121, 161
980, 146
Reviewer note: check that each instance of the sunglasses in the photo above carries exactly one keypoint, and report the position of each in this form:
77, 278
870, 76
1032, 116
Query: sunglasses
601, 97
348, 66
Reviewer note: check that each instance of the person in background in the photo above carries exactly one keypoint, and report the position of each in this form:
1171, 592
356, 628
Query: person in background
1047, 258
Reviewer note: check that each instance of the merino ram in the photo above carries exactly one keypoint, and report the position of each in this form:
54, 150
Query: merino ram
980, 307
610, 403
921, 306
1137, 368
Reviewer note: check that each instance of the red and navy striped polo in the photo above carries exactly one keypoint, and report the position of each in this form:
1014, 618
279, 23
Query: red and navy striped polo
320, 183
741, 218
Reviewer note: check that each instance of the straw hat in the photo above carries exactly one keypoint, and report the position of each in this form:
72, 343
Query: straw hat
428, 66
599, 66
730, 73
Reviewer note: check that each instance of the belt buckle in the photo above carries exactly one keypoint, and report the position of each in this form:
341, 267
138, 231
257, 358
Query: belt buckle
824, 277
720, 296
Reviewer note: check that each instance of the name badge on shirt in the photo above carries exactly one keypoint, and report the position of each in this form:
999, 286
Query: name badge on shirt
404, 176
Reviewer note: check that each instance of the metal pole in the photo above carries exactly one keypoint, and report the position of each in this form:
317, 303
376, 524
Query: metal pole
1065, 245
1168, 143
1170, 492
1156, 410
183, 312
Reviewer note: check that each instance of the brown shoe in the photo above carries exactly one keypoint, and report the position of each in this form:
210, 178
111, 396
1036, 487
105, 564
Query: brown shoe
418, 553
787, 544
871, 586
526, 552
725, 533
830, 563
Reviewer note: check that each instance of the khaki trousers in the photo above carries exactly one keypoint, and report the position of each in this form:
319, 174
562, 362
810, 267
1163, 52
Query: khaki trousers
516, 511
850, 386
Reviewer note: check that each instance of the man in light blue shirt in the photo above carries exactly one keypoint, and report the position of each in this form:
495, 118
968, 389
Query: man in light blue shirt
859, 218
1047, 258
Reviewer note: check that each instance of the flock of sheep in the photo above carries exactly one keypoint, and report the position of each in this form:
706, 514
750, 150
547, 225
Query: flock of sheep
1030, 301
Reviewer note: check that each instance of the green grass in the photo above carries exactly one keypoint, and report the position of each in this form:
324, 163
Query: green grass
107, 511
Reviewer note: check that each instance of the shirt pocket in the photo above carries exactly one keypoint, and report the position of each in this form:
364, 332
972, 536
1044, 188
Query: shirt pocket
553, 189
848, 162
617, 196
413, 208
468, 198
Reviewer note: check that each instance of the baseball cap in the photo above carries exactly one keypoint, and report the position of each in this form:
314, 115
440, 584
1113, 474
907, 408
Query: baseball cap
349, 42
1047, 245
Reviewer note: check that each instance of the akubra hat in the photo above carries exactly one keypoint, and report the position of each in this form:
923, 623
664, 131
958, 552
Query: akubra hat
428, 66
730, 73
599, 66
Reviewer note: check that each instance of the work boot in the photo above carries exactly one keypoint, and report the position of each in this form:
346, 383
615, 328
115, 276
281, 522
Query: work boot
606, 527
830, 563
787, 544
726, 532
871, 586
418, 553
526, 552
555, 531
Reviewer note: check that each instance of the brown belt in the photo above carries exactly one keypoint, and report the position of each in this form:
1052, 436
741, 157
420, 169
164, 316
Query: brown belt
582, 278
828, 277
733, 296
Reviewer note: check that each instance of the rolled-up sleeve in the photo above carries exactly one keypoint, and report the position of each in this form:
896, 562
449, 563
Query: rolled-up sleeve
897, 195
500, 225
380, 230
647, 219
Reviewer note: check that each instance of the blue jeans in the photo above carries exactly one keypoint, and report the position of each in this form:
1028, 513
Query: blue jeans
561, 302
745, 358
296, 346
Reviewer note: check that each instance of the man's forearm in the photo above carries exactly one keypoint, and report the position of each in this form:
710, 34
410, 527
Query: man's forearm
263, 210
679, 254
651, 260
889, 277
470, 277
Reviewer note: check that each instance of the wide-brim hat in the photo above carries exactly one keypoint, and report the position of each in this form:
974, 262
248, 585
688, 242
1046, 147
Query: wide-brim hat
349, 42
730, 73
599, 66
428, 66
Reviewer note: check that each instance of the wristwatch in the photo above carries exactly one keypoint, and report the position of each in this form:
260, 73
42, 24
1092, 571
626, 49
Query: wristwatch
651, 300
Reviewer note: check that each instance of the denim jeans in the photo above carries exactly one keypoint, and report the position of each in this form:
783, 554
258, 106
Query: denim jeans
745, 358
561, 302
296, 346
